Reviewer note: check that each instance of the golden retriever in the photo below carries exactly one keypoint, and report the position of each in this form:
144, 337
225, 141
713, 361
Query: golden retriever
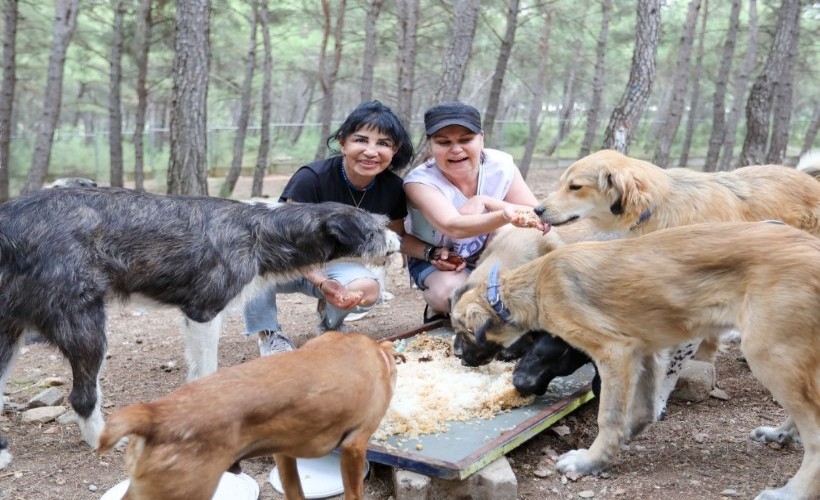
633, 197
623, 300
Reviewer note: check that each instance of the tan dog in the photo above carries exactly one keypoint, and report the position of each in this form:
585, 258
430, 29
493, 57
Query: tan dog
621, 301
332, 392
634, 197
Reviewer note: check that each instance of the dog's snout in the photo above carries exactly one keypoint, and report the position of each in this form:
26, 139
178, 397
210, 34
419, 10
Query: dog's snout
393, 241
539, 210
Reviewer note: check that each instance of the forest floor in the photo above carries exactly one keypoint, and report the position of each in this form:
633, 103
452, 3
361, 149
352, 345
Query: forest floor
700, 451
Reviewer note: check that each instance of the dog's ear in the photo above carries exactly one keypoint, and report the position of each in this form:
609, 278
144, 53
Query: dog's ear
625, 191
476, 318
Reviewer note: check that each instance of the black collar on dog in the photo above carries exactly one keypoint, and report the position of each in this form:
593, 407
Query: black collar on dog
494, 295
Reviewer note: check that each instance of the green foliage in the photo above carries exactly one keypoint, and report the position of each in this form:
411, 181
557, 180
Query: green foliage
81, 144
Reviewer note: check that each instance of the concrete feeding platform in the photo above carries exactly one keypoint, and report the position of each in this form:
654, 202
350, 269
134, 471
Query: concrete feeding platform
468, 446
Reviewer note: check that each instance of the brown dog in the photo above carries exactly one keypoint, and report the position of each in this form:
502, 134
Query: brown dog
332, 392
621, 301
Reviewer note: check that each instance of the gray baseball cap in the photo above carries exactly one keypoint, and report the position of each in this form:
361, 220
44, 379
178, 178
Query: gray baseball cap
452, 113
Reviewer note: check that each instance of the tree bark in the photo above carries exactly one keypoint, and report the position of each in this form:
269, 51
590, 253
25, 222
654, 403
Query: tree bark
500, 71
719, 100
115, 99
534, 120
457, 55
65, 22
244, 109
628, 112
10, 14
188, 168
741, 84
694, 100
811, 131
267, 84
374, 8
142, 47
328, 73
598, 81
762, 96
567, 106
782, 106
408, 13
680, 82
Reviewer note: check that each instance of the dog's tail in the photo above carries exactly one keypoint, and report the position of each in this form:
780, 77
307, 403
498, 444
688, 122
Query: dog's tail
133, 419
810, 163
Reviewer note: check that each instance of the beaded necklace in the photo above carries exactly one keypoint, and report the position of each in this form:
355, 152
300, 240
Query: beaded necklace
351, 187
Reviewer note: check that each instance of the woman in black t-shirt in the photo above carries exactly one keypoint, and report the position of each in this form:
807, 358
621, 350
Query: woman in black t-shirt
373, 147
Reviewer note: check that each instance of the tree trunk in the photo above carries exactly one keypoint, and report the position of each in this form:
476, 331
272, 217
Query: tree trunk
457, 55
142, 45
694, 100
65, 22
598, 81
762, 96
782, 106
567, 106
329, 72
297, 130
741, 84
374, 8
115, 99
811, 131
628, 112
188, 168
244, 109
719, 101
500, 71
10, 13
408, 13
538, 96
267, 84
680, 82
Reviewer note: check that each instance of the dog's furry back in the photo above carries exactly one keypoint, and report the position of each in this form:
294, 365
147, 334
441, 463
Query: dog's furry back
193, 252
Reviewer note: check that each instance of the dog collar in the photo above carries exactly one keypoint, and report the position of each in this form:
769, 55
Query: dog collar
494, 295
644, 216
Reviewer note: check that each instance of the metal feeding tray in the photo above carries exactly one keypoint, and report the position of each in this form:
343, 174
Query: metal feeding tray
468, 446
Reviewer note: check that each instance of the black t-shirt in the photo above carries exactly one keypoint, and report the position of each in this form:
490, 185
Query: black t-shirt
323, 181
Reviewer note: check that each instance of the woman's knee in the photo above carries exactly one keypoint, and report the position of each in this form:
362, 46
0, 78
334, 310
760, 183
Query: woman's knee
370, 288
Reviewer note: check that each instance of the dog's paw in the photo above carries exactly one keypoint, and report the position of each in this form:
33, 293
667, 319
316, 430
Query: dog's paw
784, 493
580, 461
774, 435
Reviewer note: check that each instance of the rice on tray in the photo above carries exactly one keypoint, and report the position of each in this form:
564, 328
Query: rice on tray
434, 388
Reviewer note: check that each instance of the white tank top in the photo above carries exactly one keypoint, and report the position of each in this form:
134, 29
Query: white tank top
495, 176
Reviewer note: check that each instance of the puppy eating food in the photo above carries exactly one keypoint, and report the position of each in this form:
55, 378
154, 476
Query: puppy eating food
622, 301
331, 392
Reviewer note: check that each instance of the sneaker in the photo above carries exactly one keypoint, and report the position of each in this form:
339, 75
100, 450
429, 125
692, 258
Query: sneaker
273, 342
324, 324
356, 316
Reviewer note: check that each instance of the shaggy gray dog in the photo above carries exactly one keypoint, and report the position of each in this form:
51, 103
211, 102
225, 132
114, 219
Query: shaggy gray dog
64, 252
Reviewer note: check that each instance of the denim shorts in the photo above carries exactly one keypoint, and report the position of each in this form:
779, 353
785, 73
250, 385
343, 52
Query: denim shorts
420, 269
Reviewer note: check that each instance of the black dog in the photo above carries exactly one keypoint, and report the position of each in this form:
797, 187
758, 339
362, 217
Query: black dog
64, 252
547, 358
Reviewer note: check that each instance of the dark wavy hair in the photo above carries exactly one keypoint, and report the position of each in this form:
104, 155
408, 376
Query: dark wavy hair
378, 116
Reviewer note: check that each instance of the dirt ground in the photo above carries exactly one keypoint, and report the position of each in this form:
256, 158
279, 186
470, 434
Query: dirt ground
700, 451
